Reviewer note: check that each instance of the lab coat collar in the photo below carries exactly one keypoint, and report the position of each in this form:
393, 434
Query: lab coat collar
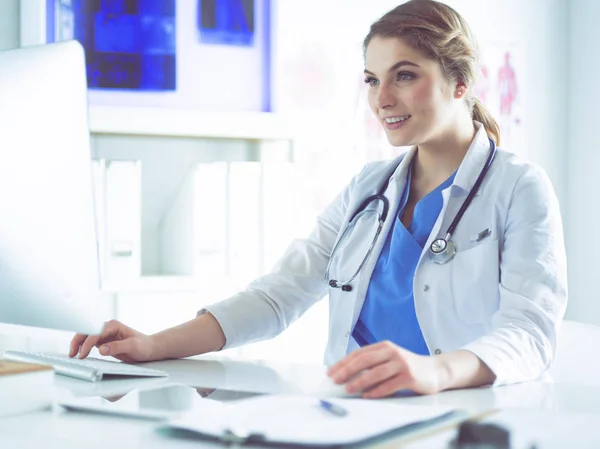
402, 164
469, 169
473, 162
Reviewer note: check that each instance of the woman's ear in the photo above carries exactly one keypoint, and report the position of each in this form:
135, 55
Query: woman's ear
461, 90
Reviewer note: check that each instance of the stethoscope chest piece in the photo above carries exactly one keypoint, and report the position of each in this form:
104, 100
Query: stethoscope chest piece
442, 251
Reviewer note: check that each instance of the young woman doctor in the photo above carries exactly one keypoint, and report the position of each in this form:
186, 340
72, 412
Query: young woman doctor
445, 268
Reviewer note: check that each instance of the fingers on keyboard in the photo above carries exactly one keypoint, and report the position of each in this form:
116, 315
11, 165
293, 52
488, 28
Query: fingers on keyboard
87, 346
76, 343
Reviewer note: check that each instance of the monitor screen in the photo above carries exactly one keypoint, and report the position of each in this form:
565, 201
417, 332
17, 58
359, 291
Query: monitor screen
49, 269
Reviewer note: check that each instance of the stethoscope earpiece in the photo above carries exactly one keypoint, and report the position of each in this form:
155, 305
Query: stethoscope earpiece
345, 287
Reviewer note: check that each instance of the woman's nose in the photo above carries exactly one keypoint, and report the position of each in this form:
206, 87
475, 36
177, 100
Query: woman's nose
385, 97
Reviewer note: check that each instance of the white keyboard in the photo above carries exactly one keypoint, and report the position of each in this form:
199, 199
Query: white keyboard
89, 369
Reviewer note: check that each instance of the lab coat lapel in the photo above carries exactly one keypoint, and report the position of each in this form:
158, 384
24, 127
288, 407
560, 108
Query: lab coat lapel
395, 188
464, 180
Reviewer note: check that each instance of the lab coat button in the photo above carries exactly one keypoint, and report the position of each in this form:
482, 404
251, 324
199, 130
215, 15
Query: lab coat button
426, 288
438, 351
347, 334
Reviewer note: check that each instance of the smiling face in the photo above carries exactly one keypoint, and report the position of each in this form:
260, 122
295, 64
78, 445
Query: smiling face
409, 93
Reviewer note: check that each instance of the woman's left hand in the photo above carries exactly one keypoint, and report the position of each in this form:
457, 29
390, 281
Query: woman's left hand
384, 368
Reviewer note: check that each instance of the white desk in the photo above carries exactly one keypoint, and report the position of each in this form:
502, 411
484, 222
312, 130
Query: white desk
558, 415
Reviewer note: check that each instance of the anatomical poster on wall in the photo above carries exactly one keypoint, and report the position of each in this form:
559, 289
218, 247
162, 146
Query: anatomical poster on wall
500, 87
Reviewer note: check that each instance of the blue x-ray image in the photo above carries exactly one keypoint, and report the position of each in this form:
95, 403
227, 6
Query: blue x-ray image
226, 22
129, 44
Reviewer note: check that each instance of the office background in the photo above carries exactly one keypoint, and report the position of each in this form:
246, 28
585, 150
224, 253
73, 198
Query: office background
159, 266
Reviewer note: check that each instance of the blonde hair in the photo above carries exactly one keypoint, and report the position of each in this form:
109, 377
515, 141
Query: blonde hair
441, 34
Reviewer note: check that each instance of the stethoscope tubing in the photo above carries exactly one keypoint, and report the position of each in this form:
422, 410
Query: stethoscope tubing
447, 248
472, 192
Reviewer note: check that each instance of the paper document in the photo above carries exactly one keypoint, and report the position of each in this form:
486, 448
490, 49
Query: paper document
303, 420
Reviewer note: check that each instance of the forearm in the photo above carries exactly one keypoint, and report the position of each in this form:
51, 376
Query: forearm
463, 369
198, 336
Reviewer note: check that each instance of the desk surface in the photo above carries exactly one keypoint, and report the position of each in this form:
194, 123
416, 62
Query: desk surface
552, 414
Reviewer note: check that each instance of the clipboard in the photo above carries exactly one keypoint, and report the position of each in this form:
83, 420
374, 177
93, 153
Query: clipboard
301, 421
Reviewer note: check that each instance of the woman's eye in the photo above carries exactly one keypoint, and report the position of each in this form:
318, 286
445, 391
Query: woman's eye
404, 76
371, 81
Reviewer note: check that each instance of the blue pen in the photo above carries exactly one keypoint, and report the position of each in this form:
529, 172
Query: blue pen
333, 408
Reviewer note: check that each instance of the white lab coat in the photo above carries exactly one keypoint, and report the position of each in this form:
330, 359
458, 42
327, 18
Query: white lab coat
501, 297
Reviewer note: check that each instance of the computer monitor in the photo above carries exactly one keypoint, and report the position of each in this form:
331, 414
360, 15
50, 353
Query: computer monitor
49, 267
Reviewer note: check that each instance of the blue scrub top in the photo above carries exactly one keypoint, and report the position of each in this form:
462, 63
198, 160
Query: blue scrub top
388, 312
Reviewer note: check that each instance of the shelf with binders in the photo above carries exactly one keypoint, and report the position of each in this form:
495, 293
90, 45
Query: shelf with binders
177, 213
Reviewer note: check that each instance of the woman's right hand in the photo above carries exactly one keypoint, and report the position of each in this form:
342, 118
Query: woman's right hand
116, 340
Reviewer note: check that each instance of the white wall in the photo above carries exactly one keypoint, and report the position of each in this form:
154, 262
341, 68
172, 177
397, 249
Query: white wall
582, 161
538, 28
9, 24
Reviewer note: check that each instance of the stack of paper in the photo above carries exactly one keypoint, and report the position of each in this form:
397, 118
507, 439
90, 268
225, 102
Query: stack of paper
302, 420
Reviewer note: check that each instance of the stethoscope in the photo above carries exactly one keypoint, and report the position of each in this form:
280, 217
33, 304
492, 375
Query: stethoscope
441, 251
